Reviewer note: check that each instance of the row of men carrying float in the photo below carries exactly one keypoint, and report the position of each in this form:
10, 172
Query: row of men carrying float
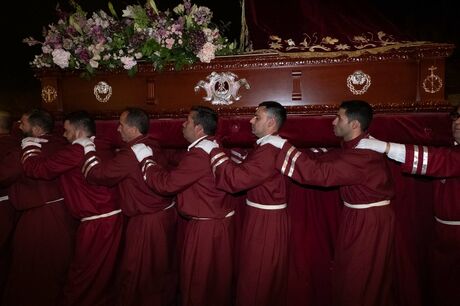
54, 265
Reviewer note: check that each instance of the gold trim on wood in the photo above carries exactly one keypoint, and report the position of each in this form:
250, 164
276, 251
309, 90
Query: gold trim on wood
49, 94
102, 91
432, 83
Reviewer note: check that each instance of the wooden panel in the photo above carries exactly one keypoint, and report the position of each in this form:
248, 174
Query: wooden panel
401, 80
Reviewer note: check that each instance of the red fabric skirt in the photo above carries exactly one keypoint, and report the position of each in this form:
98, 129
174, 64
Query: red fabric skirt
7, 220
446, 265
206, 263
263, 262
148, 266
41, 254
92, 271
364, 260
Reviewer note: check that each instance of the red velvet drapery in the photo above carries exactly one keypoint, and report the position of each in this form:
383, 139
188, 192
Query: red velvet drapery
314, 24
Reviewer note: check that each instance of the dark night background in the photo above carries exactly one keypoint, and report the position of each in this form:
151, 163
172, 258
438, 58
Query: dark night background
436, 21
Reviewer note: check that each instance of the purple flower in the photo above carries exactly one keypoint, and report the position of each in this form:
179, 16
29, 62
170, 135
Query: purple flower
83, 55
202, 15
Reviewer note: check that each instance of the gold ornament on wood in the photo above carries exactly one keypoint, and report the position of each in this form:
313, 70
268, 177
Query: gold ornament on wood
358, 82
102, 91
49, 93
432, 83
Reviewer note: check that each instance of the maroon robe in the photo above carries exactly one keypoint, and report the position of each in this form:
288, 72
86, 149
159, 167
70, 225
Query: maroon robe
147, 275
263, 258
443, 163
206, 259
9, 149
97, 242
43, 238
363, 260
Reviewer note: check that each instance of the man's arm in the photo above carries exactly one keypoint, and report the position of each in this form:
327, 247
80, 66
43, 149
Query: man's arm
417, 159
437, 162
108, 172
348, 168
50, 167
253, 171
191, 168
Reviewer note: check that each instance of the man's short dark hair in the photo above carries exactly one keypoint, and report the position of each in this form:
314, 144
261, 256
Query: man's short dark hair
206, 117
82, 120
41, 118
360, 111
138, 118
276, 110
6, 121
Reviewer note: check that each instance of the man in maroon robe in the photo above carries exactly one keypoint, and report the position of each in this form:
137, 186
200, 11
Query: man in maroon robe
206, 259
363, 259
44, 235
147, 275
9, 147
442, 163
91, 274
263, 266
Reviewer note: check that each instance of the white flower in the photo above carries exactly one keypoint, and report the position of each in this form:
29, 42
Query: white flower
47, 49
93, 63
96, 57
128, 62
207, 53
128, 12
61, 58
138, 55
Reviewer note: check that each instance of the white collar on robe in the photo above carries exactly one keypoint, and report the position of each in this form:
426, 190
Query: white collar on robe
195, 142
258, 141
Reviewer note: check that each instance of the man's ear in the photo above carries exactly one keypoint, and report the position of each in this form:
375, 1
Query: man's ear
80, 133
199, 129
272, 122
355, 124
36, 131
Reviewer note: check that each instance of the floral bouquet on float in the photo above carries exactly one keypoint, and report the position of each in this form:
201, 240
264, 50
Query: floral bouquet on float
104, 41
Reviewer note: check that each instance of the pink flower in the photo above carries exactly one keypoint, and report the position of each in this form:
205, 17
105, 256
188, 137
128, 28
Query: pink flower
61, 57
128, 62
207, 53
169, 43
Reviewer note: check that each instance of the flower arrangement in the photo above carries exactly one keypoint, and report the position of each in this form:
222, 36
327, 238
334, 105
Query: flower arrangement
179, 37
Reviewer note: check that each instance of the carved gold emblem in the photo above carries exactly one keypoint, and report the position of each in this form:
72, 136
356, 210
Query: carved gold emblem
49, 93
102, 91
432, 83
222, 88
358, 82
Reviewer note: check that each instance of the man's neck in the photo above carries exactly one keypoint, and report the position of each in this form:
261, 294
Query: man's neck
352, 135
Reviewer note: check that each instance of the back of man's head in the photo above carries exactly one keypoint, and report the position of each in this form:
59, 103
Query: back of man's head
82, 120
6, 122
276, 110
207, 118
41, 118
360, 111
138, 118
